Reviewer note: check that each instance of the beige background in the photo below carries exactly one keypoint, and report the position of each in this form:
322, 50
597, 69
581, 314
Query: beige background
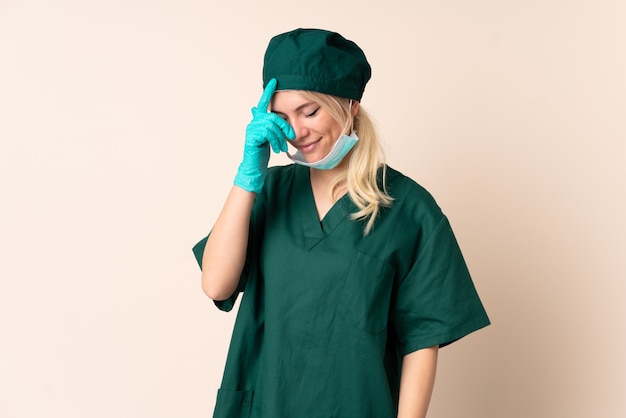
121, 126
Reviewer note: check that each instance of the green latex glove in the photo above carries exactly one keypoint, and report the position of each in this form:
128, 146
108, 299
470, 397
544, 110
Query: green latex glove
266, 130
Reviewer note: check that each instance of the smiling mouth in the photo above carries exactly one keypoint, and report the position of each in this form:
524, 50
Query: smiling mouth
308, 147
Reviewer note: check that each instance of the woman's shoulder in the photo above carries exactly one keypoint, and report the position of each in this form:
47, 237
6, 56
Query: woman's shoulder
280, 180
413, 205
280, 174
281, 169
403, 189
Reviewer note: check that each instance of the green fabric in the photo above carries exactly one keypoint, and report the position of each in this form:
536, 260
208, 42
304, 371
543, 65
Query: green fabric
316, 60
327, 314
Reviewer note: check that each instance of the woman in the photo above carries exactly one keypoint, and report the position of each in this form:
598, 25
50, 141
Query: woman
351, 275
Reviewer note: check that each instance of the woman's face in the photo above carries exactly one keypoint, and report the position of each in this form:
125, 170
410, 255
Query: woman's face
316, 130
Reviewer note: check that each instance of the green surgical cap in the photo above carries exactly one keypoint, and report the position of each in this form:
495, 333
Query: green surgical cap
316, 60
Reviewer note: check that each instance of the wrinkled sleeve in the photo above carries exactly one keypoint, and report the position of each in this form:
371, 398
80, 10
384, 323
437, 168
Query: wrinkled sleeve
436, 301
250, 266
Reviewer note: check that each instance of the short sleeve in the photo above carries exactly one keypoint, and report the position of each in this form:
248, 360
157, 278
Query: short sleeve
223, 305
436, 302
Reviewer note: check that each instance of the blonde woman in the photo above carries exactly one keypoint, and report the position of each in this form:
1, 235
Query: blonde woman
351, 276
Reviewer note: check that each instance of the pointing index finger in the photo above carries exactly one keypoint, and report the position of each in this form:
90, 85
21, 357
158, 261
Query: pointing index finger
266, 97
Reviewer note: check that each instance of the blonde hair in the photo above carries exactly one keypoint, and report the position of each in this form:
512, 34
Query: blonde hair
366, 157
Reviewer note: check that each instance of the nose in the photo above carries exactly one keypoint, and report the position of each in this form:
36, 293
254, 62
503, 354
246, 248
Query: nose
300, 130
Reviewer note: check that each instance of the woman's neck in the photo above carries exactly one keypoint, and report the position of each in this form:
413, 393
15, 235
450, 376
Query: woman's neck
321, 181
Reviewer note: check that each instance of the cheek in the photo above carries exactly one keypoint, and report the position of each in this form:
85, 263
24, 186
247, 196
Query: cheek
329, 126
333, 125
335, 131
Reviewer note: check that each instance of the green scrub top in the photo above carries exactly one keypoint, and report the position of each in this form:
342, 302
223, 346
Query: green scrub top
327, 313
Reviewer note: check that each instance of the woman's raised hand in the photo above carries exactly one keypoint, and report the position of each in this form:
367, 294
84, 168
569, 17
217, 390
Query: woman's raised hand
266, 130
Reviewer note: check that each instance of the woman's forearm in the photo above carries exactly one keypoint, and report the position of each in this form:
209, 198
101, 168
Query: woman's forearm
225, 251
417, 382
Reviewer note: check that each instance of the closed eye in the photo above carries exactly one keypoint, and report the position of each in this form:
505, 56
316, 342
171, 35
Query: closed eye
313, 113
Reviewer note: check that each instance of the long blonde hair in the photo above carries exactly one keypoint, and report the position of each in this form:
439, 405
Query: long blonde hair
366, 157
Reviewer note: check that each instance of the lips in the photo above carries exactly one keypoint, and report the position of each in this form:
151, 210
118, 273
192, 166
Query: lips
308, 147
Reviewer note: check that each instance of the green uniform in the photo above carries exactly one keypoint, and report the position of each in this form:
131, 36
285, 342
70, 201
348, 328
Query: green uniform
327, 314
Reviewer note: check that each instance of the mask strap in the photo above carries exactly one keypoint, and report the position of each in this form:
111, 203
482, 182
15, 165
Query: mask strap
351, 117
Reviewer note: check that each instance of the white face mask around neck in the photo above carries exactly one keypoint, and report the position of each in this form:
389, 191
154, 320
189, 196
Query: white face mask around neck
341, 148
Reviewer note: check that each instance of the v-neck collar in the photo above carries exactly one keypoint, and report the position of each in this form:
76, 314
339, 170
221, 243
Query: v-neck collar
313, 229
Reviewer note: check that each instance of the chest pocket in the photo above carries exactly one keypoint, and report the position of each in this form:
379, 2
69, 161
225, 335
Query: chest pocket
366, 296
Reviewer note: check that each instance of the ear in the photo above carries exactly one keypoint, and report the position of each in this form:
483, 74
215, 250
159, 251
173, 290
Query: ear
354, 108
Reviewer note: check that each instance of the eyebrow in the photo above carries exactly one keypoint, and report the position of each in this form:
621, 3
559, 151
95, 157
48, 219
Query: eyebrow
297, 109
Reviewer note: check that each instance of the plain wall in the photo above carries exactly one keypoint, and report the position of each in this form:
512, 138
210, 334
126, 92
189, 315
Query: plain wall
121, 128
